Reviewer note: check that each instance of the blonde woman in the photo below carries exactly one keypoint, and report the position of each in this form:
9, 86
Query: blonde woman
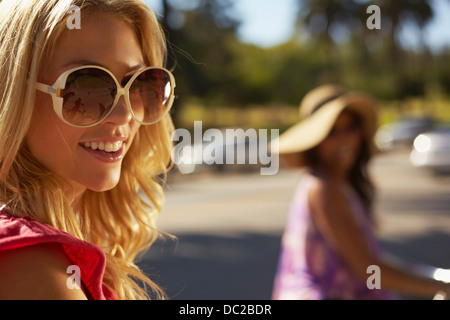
84, 127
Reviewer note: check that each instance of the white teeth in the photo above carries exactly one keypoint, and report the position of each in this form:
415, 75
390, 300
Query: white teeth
104, 146
108, 147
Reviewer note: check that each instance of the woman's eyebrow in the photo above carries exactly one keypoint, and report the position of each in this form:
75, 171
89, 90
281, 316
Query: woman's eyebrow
81, 62
135, 68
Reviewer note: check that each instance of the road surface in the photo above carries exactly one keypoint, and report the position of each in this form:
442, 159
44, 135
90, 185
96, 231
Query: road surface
229, 227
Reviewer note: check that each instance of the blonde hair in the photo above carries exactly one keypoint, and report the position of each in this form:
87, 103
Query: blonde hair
121, 221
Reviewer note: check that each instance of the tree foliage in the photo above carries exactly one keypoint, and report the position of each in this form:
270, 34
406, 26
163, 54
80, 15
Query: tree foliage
213, 66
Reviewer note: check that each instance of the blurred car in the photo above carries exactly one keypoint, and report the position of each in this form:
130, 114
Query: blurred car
431, 150
402, 133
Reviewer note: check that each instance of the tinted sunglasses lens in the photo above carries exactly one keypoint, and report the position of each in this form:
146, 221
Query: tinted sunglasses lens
151, 95
88, 96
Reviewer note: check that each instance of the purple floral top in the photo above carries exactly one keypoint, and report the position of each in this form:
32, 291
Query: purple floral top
309, 268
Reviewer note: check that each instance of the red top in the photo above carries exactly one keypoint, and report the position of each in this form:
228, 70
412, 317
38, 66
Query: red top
90, 258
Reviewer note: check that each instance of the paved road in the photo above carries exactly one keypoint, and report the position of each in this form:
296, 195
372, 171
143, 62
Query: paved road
229, 227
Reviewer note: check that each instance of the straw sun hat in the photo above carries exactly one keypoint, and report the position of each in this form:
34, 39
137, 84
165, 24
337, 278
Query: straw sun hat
319, 110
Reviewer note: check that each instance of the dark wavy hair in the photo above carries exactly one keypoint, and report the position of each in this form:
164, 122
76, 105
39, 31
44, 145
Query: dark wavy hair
359, 177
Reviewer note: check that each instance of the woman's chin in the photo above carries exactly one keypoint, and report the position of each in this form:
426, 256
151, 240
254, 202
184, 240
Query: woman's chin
101, 185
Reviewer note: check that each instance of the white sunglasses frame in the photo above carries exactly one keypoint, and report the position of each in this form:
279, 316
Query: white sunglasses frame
60, 83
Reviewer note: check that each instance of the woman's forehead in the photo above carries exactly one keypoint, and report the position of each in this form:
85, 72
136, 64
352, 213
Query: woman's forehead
103, 39
346, 118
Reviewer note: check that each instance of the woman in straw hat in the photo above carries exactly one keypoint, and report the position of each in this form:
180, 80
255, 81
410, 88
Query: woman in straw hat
328, 245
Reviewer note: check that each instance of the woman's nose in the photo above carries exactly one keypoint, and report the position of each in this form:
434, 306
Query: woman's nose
121, 114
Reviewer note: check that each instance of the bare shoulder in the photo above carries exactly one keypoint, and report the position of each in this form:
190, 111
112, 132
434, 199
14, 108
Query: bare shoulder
36, 272
329, 203
324, 192
334, 218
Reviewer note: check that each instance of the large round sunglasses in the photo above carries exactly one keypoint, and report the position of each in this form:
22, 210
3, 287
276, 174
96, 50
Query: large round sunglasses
85, 96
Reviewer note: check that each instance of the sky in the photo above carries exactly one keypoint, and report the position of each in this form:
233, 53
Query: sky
270, 22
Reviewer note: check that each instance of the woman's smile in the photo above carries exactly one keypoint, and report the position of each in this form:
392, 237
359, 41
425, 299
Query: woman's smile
106, 152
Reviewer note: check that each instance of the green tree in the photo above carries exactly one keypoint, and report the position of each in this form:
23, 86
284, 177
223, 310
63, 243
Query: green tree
324, 18
398, 14
199, 38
